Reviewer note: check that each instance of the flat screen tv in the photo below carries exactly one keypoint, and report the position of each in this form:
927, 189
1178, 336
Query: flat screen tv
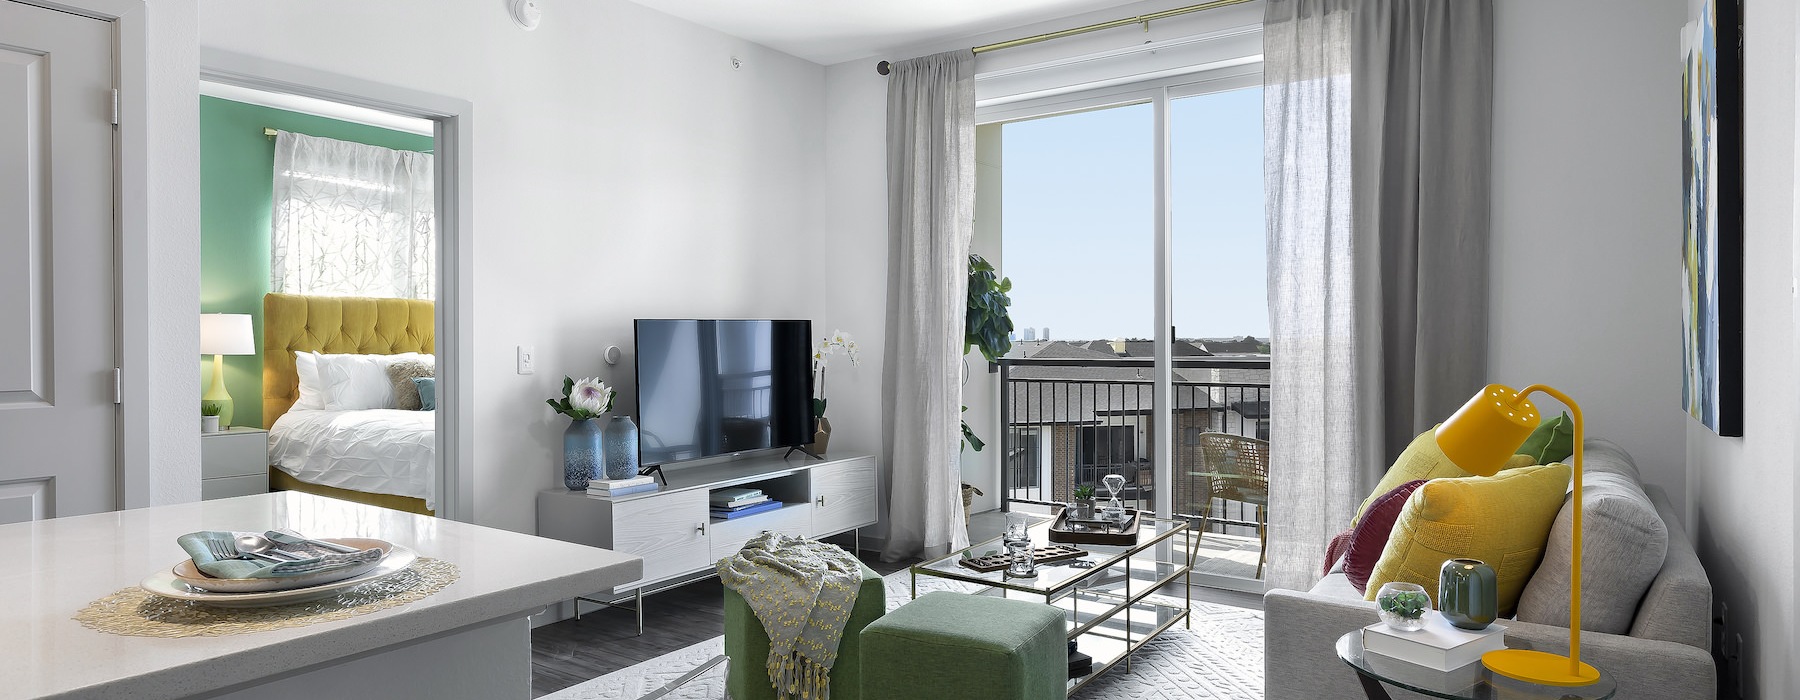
708, 388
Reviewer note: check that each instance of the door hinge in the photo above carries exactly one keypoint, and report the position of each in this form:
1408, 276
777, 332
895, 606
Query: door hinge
115, 106
118, 387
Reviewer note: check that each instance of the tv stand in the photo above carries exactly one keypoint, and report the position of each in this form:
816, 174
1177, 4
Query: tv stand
803, 450
673, 530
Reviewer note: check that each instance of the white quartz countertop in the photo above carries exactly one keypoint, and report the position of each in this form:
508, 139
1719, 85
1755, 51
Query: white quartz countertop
50, 569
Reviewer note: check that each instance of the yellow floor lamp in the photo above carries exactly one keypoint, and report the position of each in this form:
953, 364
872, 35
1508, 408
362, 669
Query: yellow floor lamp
1479, 438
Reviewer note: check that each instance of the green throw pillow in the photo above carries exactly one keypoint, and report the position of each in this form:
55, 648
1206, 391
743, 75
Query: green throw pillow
1552, 442
427, 392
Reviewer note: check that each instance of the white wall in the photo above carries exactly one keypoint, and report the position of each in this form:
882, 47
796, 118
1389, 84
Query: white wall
1587, 217
623, 169
1586, 222
172, 196
1743, 489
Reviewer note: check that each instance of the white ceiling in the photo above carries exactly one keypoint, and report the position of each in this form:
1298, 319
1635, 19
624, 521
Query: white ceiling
834, 31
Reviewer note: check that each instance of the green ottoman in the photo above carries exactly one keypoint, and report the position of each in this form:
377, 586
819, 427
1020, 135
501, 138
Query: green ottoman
955, 645
748, 645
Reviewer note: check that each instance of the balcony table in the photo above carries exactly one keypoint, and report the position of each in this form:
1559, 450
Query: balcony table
469, 640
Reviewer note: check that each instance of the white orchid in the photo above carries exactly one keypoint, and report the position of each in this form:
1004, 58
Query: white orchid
837, 342
584, 398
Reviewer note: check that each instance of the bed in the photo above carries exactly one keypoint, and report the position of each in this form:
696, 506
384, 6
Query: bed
381, 457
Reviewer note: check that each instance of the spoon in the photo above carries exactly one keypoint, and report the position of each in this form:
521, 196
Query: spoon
261, 546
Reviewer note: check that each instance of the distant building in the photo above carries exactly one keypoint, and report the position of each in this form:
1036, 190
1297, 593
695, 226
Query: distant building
1070, 424
1030, 333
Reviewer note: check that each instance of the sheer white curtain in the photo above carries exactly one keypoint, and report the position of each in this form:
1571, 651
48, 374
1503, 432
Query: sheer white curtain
931, 217
1376, 119
1325, 388
352, 219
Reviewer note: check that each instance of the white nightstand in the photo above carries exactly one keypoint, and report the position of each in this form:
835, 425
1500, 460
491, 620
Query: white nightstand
234, 462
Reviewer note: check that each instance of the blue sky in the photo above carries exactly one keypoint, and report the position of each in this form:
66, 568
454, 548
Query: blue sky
1077, 219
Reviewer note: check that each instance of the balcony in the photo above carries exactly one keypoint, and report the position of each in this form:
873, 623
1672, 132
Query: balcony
1070, 421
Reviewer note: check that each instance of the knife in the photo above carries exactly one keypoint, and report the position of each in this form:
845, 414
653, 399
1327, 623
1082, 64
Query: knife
290, 537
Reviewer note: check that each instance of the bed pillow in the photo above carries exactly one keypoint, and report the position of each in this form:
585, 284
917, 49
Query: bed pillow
1370, 536
312, 387
359, 382
402, 374
427, 388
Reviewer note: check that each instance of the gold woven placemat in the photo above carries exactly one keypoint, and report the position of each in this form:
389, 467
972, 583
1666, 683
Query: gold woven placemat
136, 612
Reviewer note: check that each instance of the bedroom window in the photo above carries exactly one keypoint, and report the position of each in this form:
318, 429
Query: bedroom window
352, 219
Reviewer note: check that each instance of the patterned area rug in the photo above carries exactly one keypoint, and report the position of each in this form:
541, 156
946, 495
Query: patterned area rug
1221, 658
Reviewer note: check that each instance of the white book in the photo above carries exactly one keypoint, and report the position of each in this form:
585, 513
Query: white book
1440, 645
610, 484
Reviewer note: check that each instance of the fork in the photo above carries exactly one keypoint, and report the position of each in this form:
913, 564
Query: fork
227, 550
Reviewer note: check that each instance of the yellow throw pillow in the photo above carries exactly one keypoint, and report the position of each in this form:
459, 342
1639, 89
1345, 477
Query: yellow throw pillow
1502, 519
1423, 459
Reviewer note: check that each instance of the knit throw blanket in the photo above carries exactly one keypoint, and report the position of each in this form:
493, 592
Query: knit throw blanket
802, 592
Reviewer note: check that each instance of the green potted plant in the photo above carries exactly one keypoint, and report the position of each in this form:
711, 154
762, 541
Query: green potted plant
1083, 506
209, 416
988, 325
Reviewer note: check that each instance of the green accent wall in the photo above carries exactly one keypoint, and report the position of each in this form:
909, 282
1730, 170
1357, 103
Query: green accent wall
237, 194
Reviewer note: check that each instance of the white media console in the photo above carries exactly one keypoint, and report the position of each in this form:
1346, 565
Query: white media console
673, 528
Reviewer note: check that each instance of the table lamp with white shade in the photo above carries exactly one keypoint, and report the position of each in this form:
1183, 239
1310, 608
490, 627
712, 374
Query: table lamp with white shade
221, 335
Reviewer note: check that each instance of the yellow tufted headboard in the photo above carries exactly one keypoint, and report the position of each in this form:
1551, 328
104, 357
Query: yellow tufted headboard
371, 326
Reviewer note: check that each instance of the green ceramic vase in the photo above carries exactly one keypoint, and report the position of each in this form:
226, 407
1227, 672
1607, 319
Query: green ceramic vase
1467, 594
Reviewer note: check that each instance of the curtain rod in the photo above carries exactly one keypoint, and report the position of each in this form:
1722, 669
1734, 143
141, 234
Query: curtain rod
1144, 19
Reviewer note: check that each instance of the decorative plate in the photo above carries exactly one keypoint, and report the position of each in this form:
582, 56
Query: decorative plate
186, 572
164, 583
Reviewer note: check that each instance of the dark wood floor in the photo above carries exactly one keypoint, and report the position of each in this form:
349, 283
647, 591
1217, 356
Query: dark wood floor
605, 640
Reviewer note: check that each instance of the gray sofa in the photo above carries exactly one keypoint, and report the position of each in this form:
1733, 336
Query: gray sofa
1665, 655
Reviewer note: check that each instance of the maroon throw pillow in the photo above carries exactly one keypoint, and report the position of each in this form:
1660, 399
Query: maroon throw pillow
1336, 548
1370, 536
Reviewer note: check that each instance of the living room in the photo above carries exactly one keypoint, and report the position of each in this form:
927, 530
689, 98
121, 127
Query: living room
719, 160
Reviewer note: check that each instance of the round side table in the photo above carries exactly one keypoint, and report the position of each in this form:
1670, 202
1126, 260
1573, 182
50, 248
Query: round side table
1471, 682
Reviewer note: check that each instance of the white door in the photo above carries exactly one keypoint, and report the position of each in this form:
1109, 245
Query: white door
58, 332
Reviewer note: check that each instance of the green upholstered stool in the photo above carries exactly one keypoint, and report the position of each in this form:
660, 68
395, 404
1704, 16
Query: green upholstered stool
955, 645
748, 644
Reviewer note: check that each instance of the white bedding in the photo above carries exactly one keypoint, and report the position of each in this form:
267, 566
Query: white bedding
380, 450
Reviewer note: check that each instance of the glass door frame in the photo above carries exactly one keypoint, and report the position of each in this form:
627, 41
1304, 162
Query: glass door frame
1160, 93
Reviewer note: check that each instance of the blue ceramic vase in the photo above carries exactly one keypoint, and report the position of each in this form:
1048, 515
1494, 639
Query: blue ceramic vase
621, 440
1468, 594
581, 454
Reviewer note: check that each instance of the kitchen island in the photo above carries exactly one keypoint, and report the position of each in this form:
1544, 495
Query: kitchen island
469, 640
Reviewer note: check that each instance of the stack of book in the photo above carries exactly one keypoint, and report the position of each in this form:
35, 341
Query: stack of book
621, 487
739, 502
1441, 645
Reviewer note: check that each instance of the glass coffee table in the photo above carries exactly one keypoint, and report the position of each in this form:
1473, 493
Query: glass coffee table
1109, 597
1471, 682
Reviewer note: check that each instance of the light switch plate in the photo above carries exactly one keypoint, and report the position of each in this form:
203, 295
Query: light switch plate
527, 359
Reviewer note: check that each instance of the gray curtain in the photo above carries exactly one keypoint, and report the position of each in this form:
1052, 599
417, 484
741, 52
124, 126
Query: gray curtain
1377, 115
931, 213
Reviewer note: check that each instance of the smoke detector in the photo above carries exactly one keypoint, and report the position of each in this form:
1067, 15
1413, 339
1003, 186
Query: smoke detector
525, 13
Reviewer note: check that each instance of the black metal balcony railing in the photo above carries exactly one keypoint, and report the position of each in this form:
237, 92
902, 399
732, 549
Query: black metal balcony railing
1069, 422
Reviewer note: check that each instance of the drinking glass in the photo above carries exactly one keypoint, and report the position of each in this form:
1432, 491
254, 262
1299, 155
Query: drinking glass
1024, 562
1016, 525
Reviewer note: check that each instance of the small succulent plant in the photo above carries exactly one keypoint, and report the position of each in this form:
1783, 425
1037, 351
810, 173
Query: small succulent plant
210, 409
1407, 604
1084, 492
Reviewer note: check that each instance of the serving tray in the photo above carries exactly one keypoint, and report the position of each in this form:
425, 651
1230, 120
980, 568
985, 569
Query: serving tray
1039, 555
1096, 532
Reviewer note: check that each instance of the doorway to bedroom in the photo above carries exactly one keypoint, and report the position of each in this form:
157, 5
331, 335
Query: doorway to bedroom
323, 297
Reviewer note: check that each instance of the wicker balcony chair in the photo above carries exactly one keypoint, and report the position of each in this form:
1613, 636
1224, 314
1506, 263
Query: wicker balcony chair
1236, 468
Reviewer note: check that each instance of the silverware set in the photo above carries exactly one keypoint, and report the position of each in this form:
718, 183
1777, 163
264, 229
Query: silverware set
265, 546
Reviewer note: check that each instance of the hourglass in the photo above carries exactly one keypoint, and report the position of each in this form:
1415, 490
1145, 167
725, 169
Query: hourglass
1114, 510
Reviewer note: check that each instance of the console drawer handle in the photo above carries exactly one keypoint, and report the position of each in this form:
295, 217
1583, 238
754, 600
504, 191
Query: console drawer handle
821, 501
